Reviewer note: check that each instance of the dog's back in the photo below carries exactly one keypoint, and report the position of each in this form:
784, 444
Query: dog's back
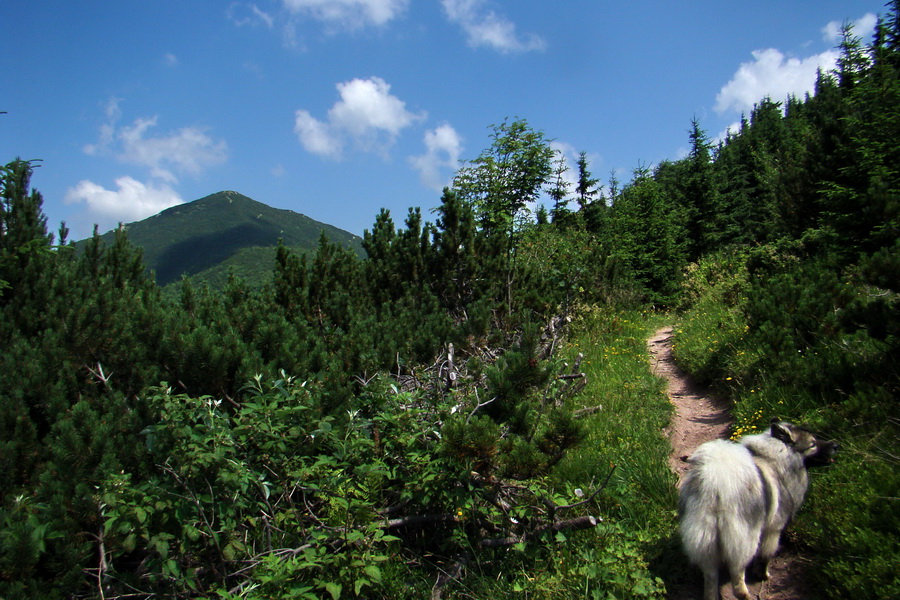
738, 497
722, 506
783, 469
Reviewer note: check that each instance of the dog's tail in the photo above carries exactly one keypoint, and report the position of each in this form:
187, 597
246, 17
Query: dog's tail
699, 522
720, 516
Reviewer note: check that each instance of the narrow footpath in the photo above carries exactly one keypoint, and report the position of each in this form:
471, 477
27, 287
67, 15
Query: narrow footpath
699, 418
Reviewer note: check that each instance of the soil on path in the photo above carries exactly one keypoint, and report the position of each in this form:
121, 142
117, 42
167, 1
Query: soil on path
699, 418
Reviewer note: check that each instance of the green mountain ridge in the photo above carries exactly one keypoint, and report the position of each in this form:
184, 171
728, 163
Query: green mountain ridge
221, 233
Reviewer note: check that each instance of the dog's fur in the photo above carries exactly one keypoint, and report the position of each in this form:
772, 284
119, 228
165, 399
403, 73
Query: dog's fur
737, 498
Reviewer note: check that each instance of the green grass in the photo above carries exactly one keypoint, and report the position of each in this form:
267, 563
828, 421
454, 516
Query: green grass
627, 432
620, 558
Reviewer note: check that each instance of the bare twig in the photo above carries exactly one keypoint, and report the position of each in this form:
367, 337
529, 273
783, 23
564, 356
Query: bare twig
480, 405
451, 367
578, 360
363, 380
100, 375
571, 376
593, 495
585, 522
199, 507
416, 520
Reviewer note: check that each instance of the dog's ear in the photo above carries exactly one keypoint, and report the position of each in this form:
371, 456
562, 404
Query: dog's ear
783, 431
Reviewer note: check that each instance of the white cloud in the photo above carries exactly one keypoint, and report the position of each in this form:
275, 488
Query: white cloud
132, 201
349, 14
367, 113
863, 28
772, 74
367, 105
188, 150
484, 27
245, 14
443, 146
317, 137
107, 130
170, 60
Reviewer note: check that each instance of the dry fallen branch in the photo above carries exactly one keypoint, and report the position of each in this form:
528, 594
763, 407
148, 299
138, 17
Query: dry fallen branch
418, 520
571, 376
588, 410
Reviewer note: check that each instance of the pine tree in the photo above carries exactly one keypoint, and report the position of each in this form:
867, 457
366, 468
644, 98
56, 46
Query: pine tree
587, 187
558, 191
647, 233
853, 60
23, 226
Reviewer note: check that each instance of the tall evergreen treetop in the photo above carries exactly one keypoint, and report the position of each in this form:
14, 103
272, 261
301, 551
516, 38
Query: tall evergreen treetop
21, 217
587, 186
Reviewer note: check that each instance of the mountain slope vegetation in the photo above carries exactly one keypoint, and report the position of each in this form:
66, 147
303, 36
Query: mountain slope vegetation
466, 410
223, 231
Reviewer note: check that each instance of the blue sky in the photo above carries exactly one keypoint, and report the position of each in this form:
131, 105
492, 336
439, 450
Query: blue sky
338, 108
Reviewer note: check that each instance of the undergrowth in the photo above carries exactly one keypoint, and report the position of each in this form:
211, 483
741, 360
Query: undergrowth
624, 451
778, 335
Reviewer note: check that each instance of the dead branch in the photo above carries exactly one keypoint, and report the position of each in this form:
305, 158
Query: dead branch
363, 380
453, 573
480, 405
452, 375
99, 375
571, 376
593, 495
417, 520
588, 410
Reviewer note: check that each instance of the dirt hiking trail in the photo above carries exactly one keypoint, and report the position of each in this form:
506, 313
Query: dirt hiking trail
699, 418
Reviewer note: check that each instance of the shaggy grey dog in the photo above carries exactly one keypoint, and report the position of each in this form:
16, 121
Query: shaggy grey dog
737, 498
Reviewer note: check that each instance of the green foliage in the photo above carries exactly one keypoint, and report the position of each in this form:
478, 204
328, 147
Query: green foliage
649, 237
224, 231
789, 339
276, 485
505, 178
365, 457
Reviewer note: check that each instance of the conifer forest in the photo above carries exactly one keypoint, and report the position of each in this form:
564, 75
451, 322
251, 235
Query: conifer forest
467, 410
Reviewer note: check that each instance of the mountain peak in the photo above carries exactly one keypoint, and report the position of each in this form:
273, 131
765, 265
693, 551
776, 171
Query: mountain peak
196, 236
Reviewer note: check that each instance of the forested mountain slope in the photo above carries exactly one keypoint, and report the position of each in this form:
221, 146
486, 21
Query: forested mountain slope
211, 232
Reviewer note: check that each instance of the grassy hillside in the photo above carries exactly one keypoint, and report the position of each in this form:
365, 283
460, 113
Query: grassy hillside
223, 232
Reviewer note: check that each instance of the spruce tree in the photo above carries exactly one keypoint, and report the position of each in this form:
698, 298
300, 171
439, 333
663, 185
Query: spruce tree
587, 187
558, 191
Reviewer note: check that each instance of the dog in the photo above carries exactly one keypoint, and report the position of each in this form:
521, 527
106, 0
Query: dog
738, 497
